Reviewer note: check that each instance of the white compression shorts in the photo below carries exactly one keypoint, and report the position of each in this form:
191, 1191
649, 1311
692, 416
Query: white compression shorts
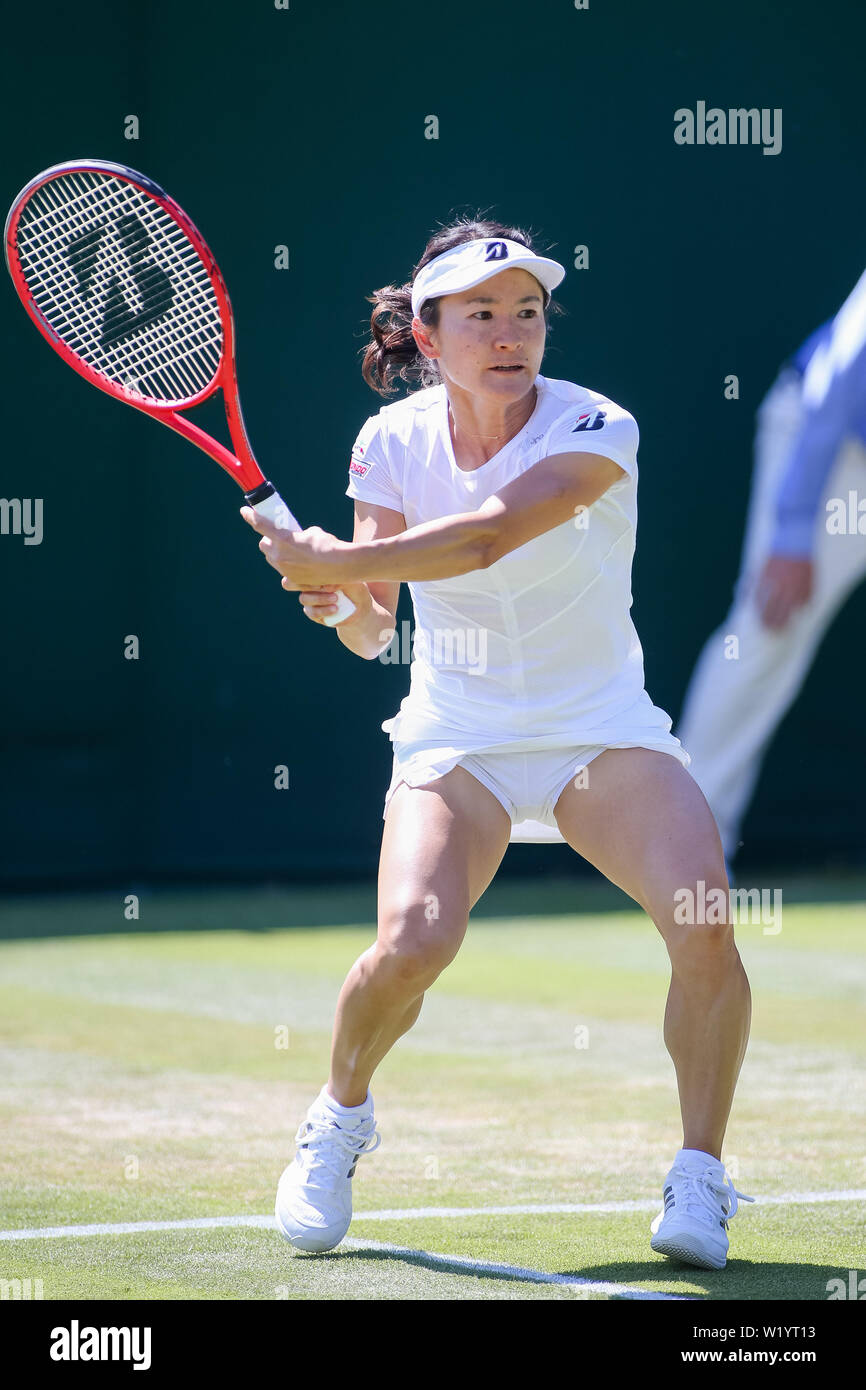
527, 784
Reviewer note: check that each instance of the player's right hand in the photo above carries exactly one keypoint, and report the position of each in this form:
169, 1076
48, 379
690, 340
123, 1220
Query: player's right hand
320, 603
784, 585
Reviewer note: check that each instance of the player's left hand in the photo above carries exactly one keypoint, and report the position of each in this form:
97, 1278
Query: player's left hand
306, 559
785, 583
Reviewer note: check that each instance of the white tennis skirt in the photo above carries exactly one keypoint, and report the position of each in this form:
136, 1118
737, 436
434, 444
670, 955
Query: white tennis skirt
526, 782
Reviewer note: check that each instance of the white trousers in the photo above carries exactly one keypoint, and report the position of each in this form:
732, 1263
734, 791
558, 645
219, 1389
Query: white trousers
734, 704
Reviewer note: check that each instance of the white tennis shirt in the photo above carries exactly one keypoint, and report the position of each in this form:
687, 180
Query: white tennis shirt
538, 650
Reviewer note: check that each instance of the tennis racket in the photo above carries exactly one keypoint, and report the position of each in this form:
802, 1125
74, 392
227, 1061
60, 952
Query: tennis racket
124, 287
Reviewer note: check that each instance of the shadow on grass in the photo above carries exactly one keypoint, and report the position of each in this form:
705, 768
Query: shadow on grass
275, 907
741, 1280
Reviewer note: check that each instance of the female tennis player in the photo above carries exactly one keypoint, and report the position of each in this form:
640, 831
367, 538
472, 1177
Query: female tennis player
507, 501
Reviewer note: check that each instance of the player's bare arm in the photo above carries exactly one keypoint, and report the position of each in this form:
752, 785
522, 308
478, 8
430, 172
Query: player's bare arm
548, 494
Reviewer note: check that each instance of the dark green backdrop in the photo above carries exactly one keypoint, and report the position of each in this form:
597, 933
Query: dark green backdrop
306, 127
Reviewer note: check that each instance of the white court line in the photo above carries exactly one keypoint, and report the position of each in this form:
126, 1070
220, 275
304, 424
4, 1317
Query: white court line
455, 1263
126, 1228
430, 1258
526, 1276
582, 1208
120, 1228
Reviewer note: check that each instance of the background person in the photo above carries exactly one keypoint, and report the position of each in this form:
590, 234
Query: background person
797, 567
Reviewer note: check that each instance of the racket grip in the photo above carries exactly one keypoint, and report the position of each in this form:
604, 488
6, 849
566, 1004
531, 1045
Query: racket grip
272, 507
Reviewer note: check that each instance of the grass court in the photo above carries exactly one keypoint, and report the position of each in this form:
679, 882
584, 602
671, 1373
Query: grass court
155, 1071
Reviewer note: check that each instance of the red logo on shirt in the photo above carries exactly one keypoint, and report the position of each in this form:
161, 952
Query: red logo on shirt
358, 467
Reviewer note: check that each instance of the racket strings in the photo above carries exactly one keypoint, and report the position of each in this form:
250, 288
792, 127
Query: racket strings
189, 308
133, 363
141, 357
117, 279
145, 278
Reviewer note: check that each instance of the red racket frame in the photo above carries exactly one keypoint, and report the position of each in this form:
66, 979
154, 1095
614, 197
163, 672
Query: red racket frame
243, 467
261, 495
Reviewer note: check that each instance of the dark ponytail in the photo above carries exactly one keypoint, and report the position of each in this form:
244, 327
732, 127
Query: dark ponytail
391, 353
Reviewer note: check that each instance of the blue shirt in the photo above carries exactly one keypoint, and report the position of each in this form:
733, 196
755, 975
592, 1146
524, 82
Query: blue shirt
833, 365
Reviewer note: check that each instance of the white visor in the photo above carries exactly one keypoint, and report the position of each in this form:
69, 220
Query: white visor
473, 262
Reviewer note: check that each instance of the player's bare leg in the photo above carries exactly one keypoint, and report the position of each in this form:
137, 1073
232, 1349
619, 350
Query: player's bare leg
644, 822
441, 847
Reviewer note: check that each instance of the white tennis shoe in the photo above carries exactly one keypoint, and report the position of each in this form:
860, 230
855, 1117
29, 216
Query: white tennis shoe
314, 1197
699, 1201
